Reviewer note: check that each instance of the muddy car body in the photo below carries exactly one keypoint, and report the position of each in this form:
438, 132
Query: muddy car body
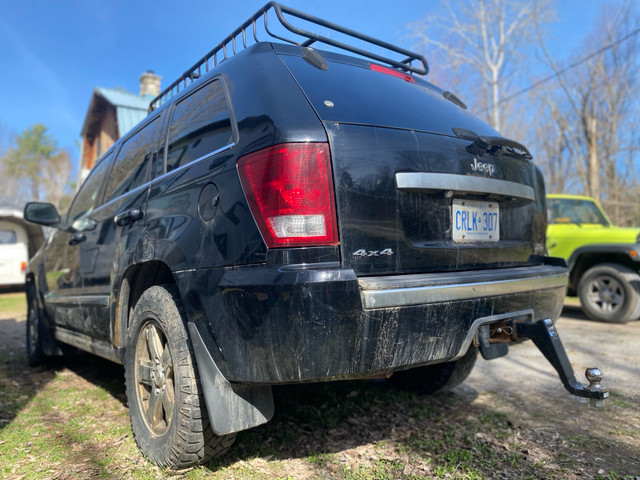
293, 216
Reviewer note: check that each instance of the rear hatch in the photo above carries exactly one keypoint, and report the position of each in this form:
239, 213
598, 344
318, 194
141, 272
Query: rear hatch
410, 195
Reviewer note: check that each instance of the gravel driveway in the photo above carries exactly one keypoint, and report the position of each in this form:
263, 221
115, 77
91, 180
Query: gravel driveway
614, 348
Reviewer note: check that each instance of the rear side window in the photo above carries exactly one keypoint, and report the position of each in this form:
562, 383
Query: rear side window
574, 211
132, 164
7, 237
200, 125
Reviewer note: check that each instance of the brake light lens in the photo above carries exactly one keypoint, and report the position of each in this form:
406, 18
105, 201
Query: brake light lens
289, 188
394, 73
23, 266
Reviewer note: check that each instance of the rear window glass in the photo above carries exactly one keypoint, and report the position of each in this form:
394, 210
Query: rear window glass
7, 237
200, 125
354, 94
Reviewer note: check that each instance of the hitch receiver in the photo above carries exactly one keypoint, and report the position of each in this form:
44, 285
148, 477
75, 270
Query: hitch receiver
545, 337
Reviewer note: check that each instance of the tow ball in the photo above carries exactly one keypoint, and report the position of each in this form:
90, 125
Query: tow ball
545, 337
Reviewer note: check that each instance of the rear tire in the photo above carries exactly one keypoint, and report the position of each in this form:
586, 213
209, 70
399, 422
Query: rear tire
440, 377
166, 406
35, 353
607, 295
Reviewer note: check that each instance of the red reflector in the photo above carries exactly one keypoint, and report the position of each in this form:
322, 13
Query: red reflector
394, 73
289, 188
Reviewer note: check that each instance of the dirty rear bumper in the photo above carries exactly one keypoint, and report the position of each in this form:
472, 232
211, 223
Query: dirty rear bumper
300, 324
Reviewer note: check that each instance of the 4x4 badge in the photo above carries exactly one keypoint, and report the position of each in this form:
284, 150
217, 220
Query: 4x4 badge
373, 253
477, 166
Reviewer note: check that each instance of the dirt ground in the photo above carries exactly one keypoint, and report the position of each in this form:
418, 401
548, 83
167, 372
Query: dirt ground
511, 419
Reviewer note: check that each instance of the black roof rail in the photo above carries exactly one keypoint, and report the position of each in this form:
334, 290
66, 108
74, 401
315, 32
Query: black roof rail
195, 71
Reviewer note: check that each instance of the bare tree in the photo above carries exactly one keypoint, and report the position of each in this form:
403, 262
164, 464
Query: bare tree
485, 42
551, 139
5, 142
599, 105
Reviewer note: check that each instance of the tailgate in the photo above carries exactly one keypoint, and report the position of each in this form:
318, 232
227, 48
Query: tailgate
410, 201
410, 197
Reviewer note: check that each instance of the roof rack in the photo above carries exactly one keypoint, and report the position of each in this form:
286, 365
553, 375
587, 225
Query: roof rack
195, 71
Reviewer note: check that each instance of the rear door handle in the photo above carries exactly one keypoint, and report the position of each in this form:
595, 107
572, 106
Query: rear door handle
77, 238
127, 218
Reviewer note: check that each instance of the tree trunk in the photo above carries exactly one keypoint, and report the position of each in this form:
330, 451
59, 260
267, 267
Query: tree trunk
593, 165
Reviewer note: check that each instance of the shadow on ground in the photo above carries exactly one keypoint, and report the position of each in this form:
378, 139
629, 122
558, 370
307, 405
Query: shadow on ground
19, 383
576, 312
328, 425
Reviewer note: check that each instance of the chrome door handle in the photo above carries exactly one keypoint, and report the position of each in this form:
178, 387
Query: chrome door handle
77, 238
127, 218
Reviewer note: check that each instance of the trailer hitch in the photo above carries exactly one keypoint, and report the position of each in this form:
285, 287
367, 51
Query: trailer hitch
545, 337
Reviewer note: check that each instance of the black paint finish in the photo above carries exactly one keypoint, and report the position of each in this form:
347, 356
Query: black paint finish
295, 314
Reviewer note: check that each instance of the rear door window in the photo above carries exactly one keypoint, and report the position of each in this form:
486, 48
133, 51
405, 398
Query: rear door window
87, 197
132, 164
200, 126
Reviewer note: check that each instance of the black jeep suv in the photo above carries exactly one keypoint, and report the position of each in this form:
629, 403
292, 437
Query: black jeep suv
286, 214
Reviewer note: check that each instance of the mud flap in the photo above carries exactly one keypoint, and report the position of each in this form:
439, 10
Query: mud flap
231, 407
545, 337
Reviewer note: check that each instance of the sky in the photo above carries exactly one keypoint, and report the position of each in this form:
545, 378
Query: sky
53, 53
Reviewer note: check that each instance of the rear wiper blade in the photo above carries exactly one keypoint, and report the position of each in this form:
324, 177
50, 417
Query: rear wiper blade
483, 144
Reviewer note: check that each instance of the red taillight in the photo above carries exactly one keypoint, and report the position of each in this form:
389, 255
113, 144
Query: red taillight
23, 266
394, 73
289, 188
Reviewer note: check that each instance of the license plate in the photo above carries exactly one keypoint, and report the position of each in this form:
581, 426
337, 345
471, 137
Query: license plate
475, 221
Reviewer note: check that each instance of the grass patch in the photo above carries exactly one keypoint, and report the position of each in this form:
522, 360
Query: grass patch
382, 470
13, 304
584, 441
627, 432
320, 459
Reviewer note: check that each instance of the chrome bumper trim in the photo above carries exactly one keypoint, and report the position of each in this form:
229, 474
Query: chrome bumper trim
405, 290
462, 183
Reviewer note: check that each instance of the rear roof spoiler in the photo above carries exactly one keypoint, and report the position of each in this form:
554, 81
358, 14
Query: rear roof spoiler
210, 60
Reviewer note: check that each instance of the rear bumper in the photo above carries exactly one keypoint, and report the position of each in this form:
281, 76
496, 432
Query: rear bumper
299, 324
406, 290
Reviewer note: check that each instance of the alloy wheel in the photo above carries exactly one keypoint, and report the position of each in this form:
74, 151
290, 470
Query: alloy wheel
154, 377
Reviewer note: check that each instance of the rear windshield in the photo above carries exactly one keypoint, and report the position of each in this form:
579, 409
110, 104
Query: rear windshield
7, 237
349, 93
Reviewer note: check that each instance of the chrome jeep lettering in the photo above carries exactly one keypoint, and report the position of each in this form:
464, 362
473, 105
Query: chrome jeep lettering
477, 166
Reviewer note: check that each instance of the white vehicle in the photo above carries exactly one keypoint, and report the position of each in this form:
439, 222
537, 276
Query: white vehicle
19, 241
13, 253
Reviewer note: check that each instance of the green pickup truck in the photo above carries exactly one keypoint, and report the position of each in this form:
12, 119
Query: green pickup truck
603, 260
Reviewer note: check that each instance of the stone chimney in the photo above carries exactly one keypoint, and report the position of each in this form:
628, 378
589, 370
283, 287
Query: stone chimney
150, 84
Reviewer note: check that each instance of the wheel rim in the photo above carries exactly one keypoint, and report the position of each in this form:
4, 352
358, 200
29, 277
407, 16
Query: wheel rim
32, 326
606, 294
154, 378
